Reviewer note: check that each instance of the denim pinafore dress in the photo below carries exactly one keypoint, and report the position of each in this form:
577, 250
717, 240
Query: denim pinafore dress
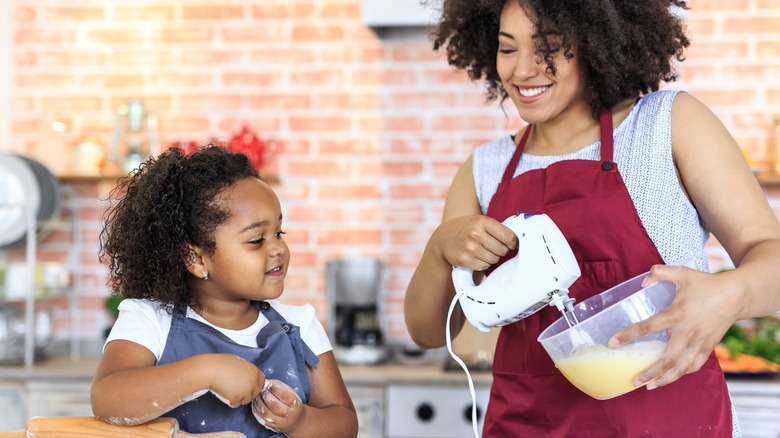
281, 354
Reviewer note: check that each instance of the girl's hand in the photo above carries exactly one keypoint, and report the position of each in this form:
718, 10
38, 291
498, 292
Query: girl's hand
235, 381
278, 407
704, 307
475, 242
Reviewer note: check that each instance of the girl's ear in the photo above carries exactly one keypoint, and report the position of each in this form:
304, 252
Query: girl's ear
194, 261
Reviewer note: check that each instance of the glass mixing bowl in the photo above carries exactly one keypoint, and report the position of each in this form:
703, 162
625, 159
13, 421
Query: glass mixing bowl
581, 352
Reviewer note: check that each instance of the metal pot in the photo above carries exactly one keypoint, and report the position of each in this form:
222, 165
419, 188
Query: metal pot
12, 334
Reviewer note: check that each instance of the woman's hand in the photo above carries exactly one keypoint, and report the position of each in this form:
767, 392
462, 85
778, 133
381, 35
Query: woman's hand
704, 307
235, 381
278, 407
475, 242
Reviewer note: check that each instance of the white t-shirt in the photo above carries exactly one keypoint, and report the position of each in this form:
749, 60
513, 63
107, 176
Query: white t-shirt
147, 323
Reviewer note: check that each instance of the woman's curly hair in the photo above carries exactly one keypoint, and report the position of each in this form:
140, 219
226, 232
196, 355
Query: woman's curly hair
625, 48
156, 212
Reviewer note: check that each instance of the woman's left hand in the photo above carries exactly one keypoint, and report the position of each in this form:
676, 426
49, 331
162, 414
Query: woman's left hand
278, 407
704, 307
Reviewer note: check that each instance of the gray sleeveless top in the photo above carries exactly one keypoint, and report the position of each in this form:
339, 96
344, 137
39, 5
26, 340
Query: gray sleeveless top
643, 153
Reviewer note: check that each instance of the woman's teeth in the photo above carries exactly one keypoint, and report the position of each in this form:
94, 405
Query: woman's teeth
531, 92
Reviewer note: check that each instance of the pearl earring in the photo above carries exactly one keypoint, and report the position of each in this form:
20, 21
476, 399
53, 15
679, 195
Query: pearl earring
205, 275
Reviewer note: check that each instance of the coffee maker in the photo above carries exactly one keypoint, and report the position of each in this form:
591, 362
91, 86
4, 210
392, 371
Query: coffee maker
354, 289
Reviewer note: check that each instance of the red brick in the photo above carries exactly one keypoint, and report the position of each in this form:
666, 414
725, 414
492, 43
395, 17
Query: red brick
144, 13
279, 101
24, 14
464, 122
416, 54
181, 80
354, 236
350, 9
71, 103
348, 191
318, 77
716, 49
155, 103
317, 168
400, 123
422, 100
281, 56
718, 5
183, 34
116, 35
109, 81
318, 33
150, 57
402, 168
768, 48
359, 146
352, 101
371, 124
752, 25
319, 124
271, 32
189, 125
211, 57
212, 13
61, 15
211, 102
268, 11
45, 80
418, 191
741, 96
44, 36
697, 26
72, 58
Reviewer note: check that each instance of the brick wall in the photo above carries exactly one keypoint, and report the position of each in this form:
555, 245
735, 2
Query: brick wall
373, 124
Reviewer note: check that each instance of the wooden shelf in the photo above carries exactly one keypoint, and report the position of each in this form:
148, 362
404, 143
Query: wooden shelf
72, 178
768, 179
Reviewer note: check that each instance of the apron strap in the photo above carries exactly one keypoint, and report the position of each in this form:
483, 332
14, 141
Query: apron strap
607, 142
509, 172
607, 146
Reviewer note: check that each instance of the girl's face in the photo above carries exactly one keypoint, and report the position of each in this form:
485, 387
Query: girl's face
538, 96
251, 258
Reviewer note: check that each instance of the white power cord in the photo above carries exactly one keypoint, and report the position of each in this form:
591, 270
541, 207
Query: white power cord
462, 365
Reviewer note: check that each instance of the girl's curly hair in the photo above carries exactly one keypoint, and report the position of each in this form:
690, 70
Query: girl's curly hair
625, 48
168, 203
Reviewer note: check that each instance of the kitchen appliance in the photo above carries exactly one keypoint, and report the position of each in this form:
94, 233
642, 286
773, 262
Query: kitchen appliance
581, 352
354, 289
12, 334
27, 188
135, 136
424, 410
539, 275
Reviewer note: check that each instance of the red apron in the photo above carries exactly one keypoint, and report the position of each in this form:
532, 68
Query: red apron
529, 397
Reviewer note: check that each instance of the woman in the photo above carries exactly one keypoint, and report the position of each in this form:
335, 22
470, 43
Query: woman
630, 199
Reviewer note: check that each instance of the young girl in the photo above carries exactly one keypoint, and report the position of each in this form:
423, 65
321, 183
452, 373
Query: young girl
195, 246
635, 178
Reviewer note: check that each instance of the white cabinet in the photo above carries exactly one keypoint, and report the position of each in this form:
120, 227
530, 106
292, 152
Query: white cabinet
11, 407
368, 401
758, 407
48, 398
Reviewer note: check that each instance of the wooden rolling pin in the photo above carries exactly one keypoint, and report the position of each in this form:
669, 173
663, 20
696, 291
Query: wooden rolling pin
91, 427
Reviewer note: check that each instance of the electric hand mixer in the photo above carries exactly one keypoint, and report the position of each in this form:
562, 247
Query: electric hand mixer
539, 275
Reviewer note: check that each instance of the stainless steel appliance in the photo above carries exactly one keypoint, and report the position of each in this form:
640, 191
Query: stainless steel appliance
433, 411
354, 289
135, 130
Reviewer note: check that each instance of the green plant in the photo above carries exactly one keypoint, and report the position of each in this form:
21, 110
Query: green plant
760, 340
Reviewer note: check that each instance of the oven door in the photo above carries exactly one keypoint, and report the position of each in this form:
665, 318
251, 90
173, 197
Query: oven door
423, 411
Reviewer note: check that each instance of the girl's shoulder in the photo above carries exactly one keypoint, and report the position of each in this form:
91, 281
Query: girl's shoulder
299, 315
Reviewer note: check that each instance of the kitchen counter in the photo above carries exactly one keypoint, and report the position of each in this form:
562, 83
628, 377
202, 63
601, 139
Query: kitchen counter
83, 370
